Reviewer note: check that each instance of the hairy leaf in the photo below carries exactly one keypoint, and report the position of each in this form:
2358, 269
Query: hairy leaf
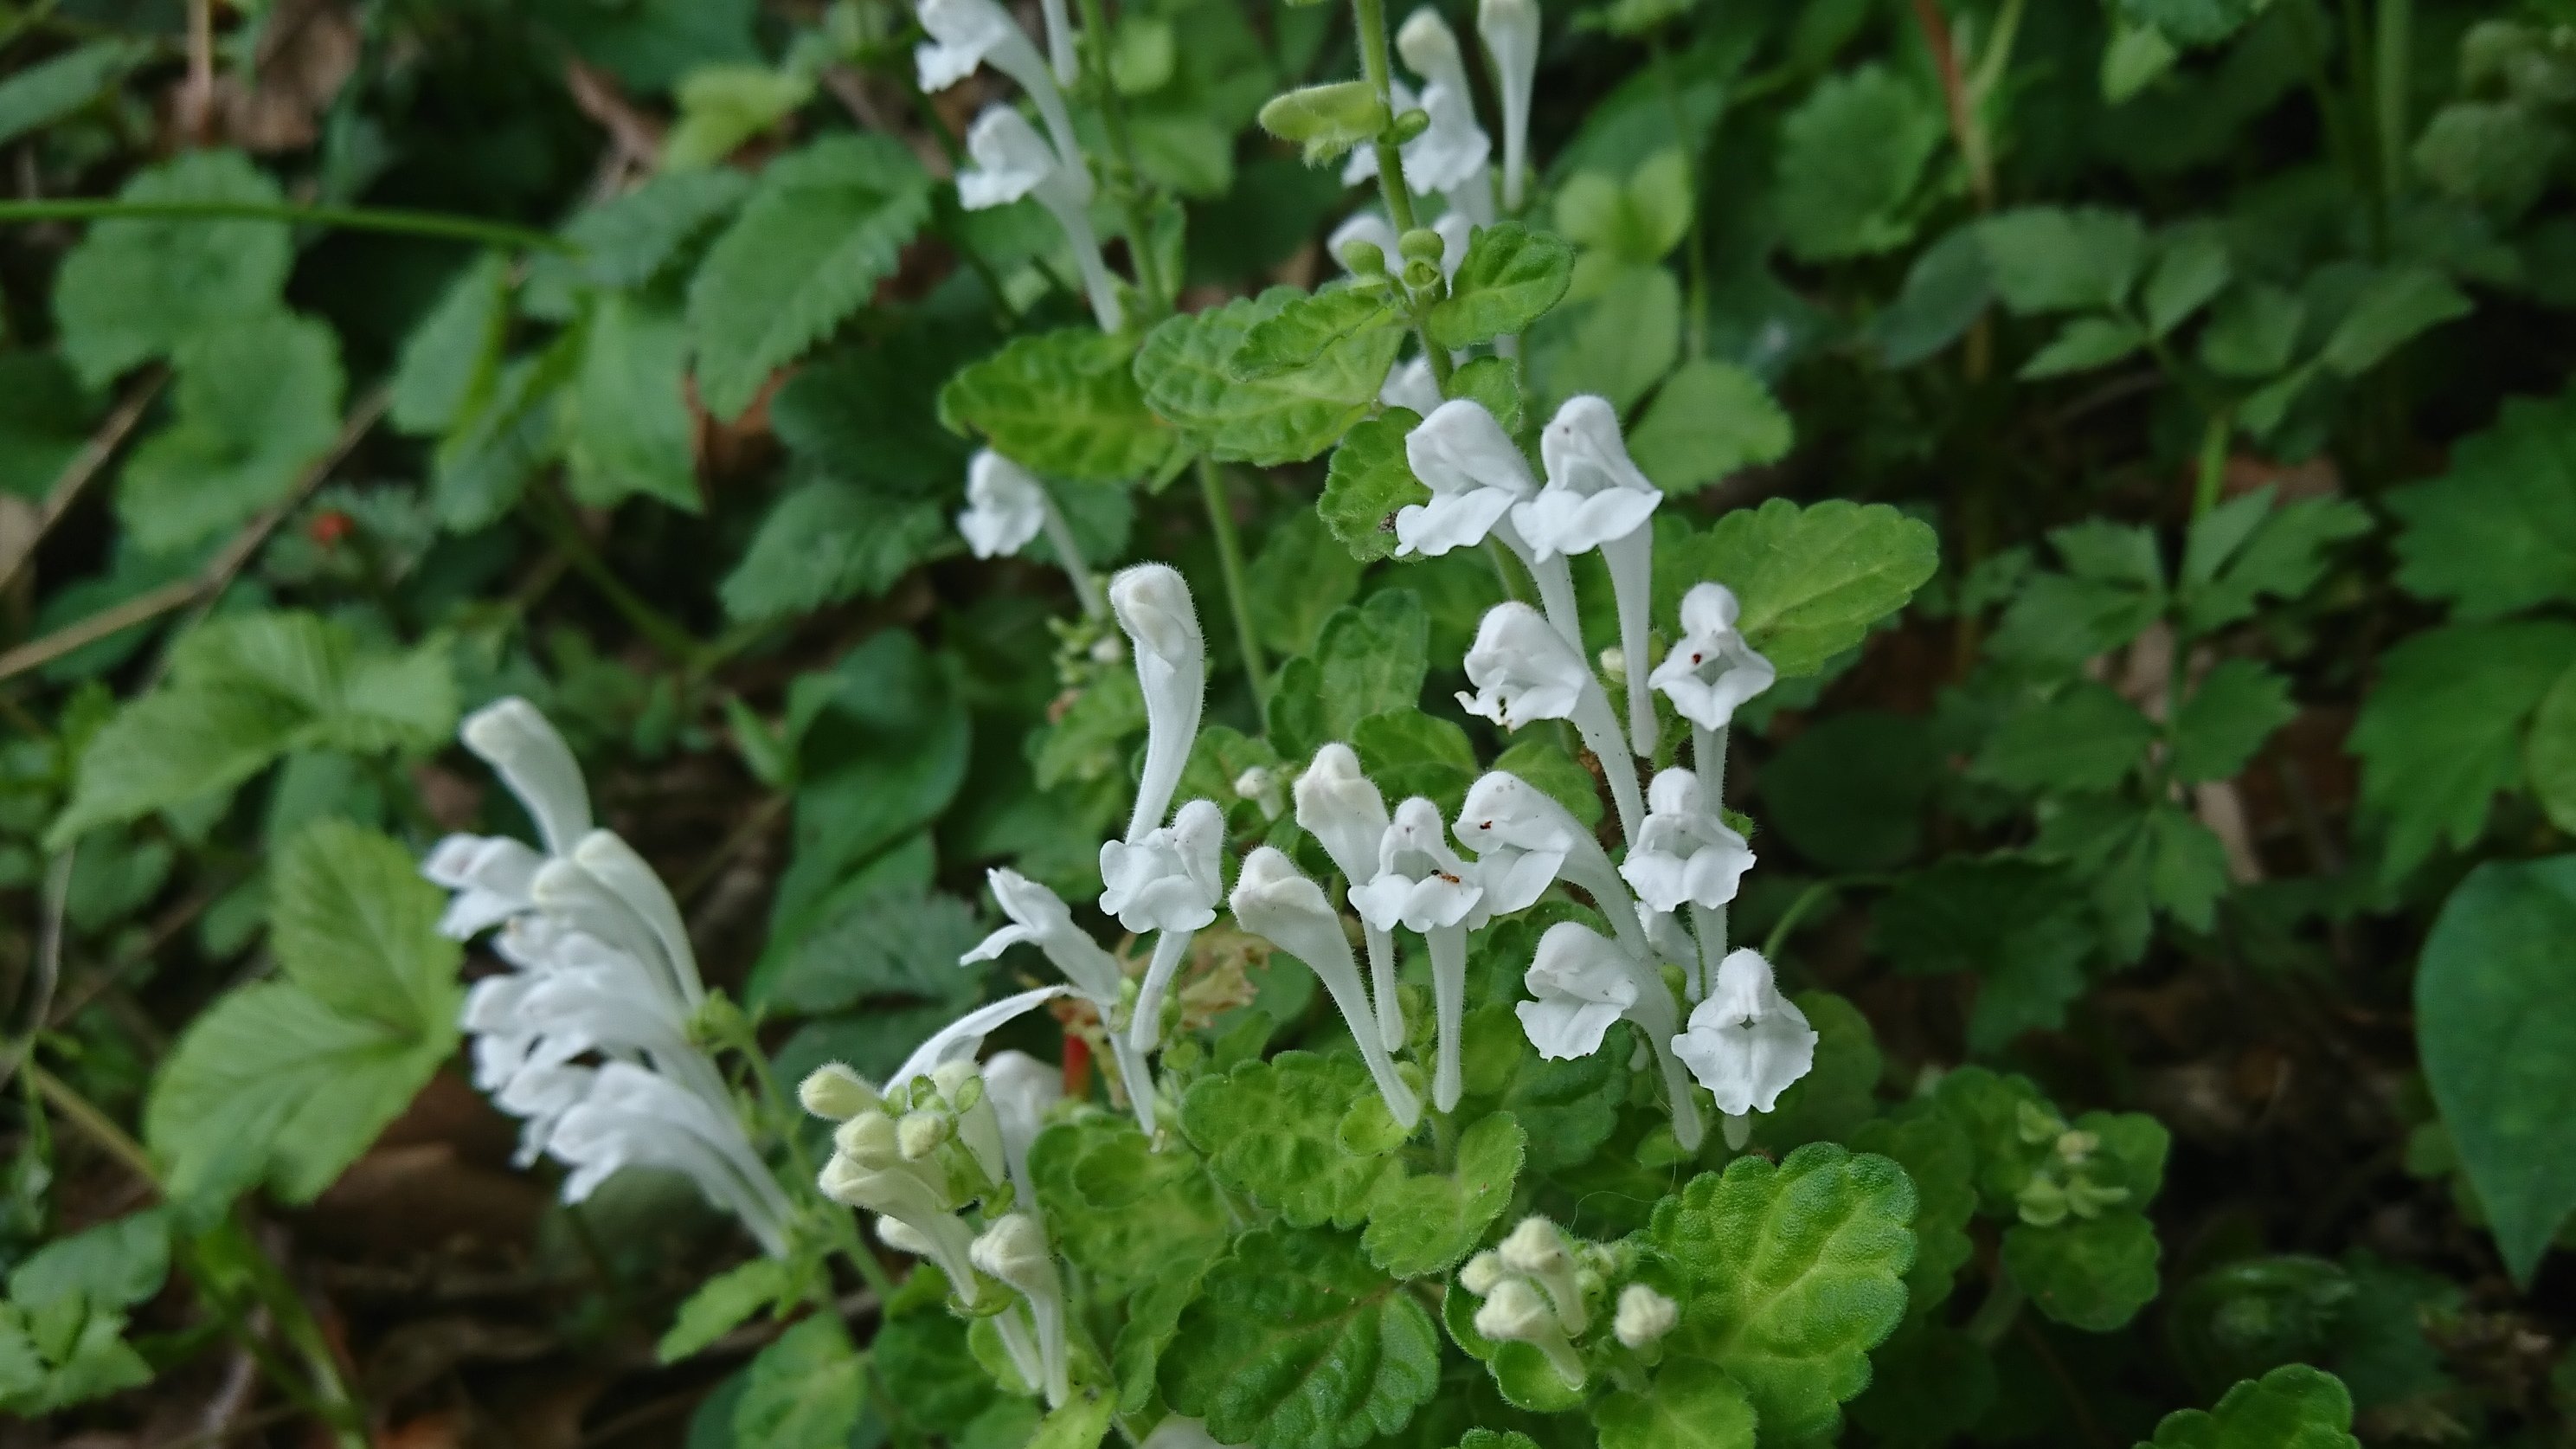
258, 401
1284, 418
2292, 1407
1271, 1129
1422, 1223
1510, 276
135, 288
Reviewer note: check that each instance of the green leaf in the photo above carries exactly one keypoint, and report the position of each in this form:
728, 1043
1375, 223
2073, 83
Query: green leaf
135, 288
1409, 753
1692, 1405
1851, 158
2190, 269
630, 239
1326, 120
2232, 711
290, 1080
1619, 343
1296, 1342
2252, 331
827, 542
2191, 22
258, 401
2497, 533
1080, 1422
1286, 418
44, 93
502, 439
1422, 1224
1129, 1217
2549, 755
1367, 481
2395, 305
805, 1389
1812, 580
1301, 575
722, 1303
808, 249
1495, 383
2292, 1407
117, 1264
1508, 279
2083, 344
1941, 1162
1795, 1272
1709, 419
2493, 1021
2059, 259
2085, 737
451, 360
1946, 290
243, 690
2138, 859
2442, 731
2093, 1274
723, 105
1271, 1129
2019, 925
2226, 567
1373, 657
626, 418
1308, 326
902, 941
1839, 1092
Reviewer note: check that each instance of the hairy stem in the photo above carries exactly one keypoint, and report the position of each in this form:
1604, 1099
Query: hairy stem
1122, 164
1229, 561
1369, 18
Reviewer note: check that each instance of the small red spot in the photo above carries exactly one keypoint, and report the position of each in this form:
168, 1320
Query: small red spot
329, 527
1077, 1067
1695, 659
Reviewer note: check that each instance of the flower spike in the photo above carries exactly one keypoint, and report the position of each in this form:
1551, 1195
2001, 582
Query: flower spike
1153, 606
1710, 672
1596, 498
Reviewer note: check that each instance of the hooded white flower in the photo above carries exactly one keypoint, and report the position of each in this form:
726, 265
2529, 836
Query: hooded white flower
494, 877
1409, 384
898, 1194
1596, 498
1524, 671
1710, 672
1341, 807
1746, 1043
1274, 900
1014, 1249
1510, 30
1475, 475
1686, 853
1153, 606
1005, 506
1448, 155
1580, 982
1023, 1090
1012, 161
1040, 918
630, 1116
1524, 839
1168, 882
1430, 50
1422, 885
967, 33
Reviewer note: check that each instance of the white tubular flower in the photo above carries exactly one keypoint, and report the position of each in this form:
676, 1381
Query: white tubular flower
1012, 161
1710, 672
1023, 1090
1524, 670
1341, 807
1014, 1249
1153, 606
962, 1039
1422, 885
521, 745
1167, 883
1644, 1316
1039, 917
1524, 839
1746, 1043
1596, 498
1176, 1432
896, 1195
1686, 853
1005, 505
1536, 1250
1516, 1312
967, 33
1430, 48
1576, 978
632, 1116
1475, 475
1509, 29
1409, 384
1059, 32
1275, 901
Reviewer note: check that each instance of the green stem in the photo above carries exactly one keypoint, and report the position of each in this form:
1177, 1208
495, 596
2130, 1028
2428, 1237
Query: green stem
1369, 18
557, 520
2394, 44
2213, 463
1229, 561
351, 218
735, 1031
1696, 330
1122, 163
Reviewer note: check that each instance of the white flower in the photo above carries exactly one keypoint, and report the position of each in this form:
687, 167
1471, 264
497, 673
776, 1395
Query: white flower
1596, 498
631, 1116
1012, 161
1430, 49
834, 1092
1746, 1043
1685, 853
1422, 885
1517, 1312
1014, 1249
898, 1194
1523, 670
1509, 29
1475, 475
967, 33
519, 743
1711, 671
1153, 606
1644, 1316
1023, 1090
1341, 807
960, 1040
1005, 505
1536, 1250
1176, 1432
1524, 839
1577, 979
1274, 900
1059, 32
1039, 917
1167, 882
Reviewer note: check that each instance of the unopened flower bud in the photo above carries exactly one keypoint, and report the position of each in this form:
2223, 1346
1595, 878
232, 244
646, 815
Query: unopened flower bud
1014, 1249
869, 1141
1421, 276
835, 1092
1421, 244
1644, 1316
920, 1134
1411, 124
1482, 1272
2074, 1147
1260, 785
1516, 1313
1534, 1247
1363, 258
952, 1080
1614, 664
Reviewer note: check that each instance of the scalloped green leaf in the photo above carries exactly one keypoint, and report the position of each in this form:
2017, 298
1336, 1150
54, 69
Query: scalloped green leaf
1064, 404
137, 287
1935, 1153
1271, 1129
1297, 1342
1124, 1214
1520, 1371
1794, 1272
1812, 581
1302, 331
1509, 278
1287, 417
2089, 1274
1691, 1405
1425, 1223
2292, 1407
1367, 481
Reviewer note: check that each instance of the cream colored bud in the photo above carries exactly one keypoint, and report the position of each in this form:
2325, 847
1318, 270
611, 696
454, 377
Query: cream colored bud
869, 1141
951, 1079
920, 1133
1014, 1249
1516, 1312
1535, 1247
835, 1092
899, 1235
1482, 1272
1644, 1316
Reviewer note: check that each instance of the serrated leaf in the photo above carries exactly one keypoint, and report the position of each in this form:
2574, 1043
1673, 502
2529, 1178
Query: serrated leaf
1296, 1342
721, 1304
1495, 384
117, 1264
1301, 575
1367, 481
2020, 926
627, 240
2061, 259
502, 438
805, 1389
2282, 556
1851, 157
1509, 278
1812, 581
2497, 532
1795, 1272
1271, 1129
1709, 419
1618, 343
2083, 344
258, 401
280, 1080
43, 93
2085, 737
626, 421
1123, 1213
2292, 1407
135, 288
807, 250
2395, 305
826, 542
2252, 331
1691, 1405
1408, 753
2093, 1274
2231, 712
1941, 1162
1303, 330
1285, 418
1422, 1224
453, 356
2441, 732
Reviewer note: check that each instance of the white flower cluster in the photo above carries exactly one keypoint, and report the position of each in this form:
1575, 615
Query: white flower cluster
1538, 1289
587, 1038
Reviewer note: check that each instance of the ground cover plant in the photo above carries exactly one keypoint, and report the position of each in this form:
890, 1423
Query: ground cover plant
1514, 725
